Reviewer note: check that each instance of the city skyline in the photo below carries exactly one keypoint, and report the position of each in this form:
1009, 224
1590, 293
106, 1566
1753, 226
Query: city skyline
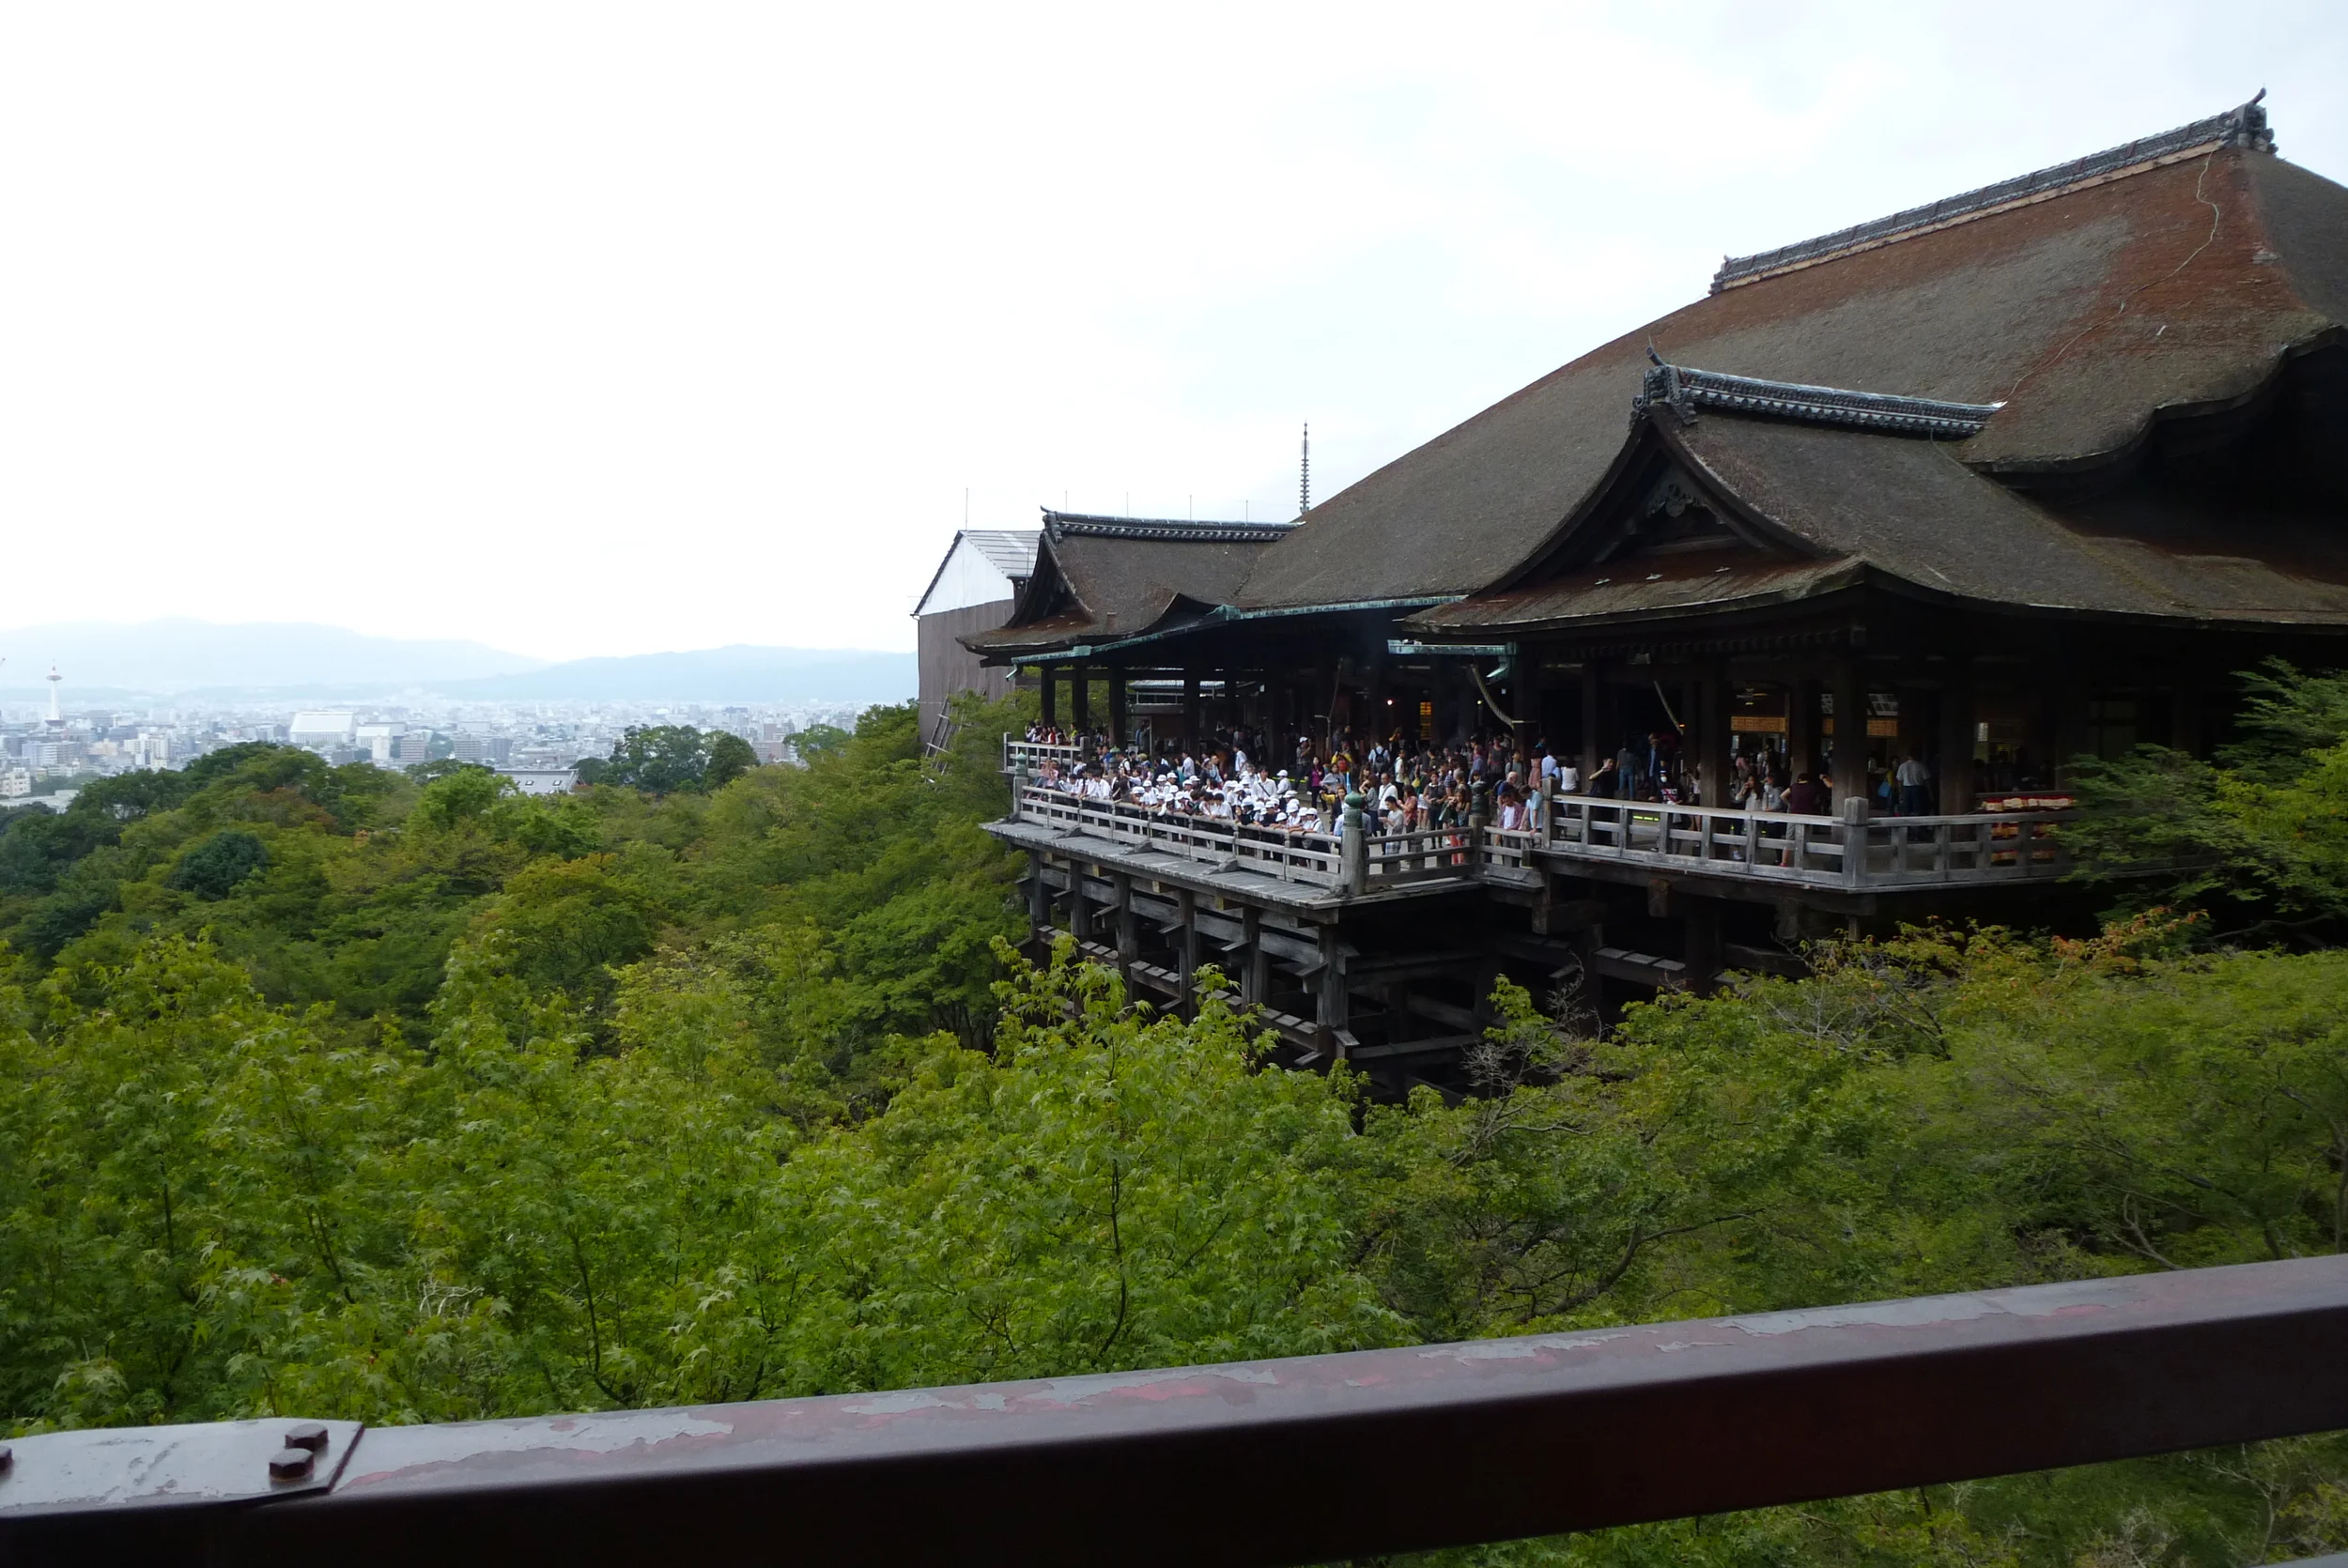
182, 655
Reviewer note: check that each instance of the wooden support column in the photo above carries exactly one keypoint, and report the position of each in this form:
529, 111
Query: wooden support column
1594, 748
1850, 730
1320, 710
1802, 726
1079, 698
2185, 717
1710, 719
1128, 932
1255, 980
1334, 1002
1186, 951
1702, 944
1117, 706
1957, 738
1038, 904
1079, 906
1191, 730
2066, 705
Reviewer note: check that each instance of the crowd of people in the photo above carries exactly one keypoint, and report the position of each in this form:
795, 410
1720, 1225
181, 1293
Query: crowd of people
1408, 786
1234, 777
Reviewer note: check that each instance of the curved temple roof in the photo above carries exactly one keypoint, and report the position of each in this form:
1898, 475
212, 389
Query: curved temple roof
1099, 578
2245, 126
2119, 293
2033, 328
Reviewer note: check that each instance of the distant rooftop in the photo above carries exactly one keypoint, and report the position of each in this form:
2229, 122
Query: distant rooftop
1008, 550
2242, 127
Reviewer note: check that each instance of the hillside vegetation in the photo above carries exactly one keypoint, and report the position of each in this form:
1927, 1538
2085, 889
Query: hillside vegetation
326, 1090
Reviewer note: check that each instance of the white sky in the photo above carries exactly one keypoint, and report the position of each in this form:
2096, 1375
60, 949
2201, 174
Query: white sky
580, 329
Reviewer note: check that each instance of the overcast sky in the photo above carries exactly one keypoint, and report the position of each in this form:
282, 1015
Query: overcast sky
580, 329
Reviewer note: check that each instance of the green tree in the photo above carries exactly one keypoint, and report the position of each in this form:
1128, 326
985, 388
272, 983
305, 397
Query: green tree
214, 867
659, 759
2263, 826
729, 758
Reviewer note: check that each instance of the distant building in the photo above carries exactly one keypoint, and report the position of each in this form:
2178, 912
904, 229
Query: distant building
320, 732
973, 591
380, 742
542, 781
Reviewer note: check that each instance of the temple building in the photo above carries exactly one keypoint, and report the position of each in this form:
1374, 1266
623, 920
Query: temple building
2026, 474
972, 591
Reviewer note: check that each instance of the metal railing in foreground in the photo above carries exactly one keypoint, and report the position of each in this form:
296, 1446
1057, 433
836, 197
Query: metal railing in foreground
1297, 1461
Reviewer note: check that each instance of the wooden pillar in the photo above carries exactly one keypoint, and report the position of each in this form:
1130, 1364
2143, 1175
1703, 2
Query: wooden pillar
1955, 739
1850, 730
1190, 710
1255, 980
1320, 711
2067, 711
1703, 952
1079, 699
1117, 706
1051, 693
1594, 748
1710, 718
1186, 950
1079, 907
1128, 933
1334, 1003
1038, 904
2184, 718
1802, 726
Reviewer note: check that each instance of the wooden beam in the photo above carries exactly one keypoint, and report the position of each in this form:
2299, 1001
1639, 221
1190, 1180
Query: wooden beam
1439, 1045
1443, 1012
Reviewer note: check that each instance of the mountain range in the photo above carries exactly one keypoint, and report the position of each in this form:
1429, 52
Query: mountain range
299, 661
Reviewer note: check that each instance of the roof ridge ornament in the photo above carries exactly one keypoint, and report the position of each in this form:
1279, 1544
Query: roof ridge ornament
2244, 125
1683, 389
1171, 531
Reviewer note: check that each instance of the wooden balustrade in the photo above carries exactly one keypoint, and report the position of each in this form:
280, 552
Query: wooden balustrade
1821, 851
1285, 854
1886, 852
1032, 755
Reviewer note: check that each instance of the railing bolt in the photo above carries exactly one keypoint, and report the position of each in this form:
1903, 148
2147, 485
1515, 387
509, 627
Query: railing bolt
291, 1464
311, 1434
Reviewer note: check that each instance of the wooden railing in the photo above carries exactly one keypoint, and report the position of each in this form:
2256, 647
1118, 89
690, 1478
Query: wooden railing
1032, 755
1847, 852
1285, 854
1819, 851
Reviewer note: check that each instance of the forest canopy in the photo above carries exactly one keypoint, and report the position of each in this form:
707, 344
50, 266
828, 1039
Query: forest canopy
333, 1091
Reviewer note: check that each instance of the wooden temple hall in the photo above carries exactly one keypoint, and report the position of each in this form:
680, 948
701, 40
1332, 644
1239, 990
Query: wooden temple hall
2028, 473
